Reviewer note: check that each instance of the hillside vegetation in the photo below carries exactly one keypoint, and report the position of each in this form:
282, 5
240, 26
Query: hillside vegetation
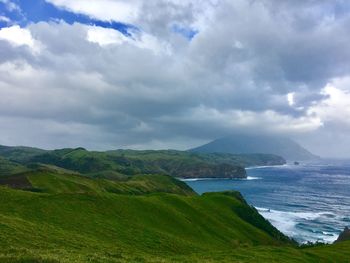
72, 205
49, 180
84, 222
120, 164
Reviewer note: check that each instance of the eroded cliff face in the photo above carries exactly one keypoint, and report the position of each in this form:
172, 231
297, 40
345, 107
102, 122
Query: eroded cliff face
212, 171
344, 236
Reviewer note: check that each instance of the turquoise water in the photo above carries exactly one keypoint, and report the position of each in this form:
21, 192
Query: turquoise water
309, 202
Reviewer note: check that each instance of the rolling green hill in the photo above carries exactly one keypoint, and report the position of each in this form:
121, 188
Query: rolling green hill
52, 215
88, 224
8, 167
53, 181
120, 164
73, 205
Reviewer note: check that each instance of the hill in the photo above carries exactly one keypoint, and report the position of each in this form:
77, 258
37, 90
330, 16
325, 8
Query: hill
120, 164
56, 181
245, 144
74, 219
8, 167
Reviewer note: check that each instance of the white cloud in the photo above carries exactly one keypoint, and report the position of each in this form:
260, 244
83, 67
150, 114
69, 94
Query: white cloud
156, 17
11, 6
335, 108
106, 10
18, 36
109, 36
5, 19
105, 36
290, 98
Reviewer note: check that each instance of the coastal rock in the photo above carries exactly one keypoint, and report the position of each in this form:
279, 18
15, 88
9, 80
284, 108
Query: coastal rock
211, 171
344, 236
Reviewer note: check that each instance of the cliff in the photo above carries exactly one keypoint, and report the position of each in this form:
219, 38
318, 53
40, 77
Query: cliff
344, 236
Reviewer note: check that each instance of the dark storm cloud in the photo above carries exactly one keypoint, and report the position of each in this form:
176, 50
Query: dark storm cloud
252, 65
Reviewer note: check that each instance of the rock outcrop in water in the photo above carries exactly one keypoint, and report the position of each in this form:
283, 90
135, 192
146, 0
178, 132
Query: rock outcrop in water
344, 236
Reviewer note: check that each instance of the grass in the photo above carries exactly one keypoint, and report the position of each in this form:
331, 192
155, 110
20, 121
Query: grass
119, 164
148, 225
51, 180
8, 167
58, 214
77, 220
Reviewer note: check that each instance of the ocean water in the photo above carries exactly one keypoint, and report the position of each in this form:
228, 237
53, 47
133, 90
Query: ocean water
309, 202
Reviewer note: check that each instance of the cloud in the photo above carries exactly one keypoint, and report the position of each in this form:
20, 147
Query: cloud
5, 19
253, 66
10, 5
105, 10
17, 36
335, 109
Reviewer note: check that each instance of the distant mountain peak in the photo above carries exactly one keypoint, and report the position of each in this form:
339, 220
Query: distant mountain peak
247, 144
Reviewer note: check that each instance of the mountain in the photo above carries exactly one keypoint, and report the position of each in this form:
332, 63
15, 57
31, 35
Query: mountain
246, 144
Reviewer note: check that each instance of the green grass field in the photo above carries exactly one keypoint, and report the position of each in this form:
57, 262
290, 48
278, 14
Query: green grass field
72, 205
71, 218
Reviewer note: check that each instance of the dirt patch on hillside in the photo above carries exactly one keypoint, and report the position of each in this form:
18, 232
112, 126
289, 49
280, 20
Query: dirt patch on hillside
16, 181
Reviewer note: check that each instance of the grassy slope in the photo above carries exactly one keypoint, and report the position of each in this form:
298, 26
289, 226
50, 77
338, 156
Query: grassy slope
119, 164
51, 180
152, 225
8, 168
72, 225
19, 153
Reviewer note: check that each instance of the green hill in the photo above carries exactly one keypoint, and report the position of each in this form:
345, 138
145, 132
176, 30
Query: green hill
19, 153
51, 215
49, 180
85, 223
8, 167
120, 164
73, 205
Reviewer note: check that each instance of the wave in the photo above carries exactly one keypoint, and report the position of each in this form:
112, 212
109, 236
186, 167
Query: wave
267, 166
201, 179
252, 178
299, 225
210, 178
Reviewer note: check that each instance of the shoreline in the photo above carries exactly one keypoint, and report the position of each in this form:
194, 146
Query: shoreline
218, 178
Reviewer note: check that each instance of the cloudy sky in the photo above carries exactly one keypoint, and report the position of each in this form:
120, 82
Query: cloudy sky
106, 74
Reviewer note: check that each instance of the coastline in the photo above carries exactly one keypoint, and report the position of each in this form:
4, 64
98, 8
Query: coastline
218, 178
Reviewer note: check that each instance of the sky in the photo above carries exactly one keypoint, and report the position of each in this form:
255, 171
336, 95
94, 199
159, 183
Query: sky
107, 74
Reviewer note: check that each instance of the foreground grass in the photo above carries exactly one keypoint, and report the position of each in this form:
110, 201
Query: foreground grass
106, 227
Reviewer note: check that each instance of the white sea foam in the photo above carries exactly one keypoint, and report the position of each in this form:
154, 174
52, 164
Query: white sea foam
200, 179
287, 223
267, 166
253, 178
207, 179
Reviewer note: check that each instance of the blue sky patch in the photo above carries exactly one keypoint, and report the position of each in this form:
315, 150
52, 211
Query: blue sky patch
188, 33
39, 10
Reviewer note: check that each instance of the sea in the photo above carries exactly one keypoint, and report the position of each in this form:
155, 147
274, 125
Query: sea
309, 202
